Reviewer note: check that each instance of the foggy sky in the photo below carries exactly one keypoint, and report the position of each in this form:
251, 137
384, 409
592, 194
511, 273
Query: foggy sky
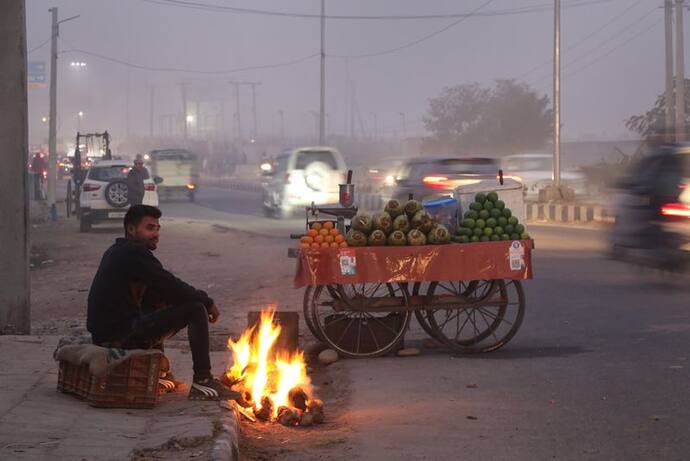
595, 101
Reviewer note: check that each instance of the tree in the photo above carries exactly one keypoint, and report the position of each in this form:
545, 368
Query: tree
508, 118
653, 121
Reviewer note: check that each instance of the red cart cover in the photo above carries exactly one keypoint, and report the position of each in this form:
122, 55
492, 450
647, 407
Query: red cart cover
471, 261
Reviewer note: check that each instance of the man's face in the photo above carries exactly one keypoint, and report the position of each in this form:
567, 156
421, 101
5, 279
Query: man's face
147, 232
138, 164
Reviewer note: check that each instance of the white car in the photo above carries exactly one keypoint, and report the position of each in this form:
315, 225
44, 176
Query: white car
302, 176
535, 171
103, 195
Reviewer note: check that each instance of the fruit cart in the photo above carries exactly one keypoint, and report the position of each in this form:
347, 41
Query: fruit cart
469, 297
360, 299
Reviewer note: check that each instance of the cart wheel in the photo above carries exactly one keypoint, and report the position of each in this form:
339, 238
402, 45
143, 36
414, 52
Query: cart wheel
323, 295
485, 317
355, 332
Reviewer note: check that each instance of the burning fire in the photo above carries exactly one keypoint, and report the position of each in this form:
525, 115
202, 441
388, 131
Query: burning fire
274, 383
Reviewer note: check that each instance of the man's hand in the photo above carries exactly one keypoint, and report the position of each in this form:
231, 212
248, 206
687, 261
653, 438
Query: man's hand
213, 314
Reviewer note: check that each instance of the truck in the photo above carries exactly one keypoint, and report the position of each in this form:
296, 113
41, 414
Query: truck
179, 169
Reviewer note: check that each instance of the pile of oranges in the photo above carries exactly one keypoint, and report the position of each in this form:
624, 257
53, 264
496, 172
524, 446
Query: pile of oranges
323, 235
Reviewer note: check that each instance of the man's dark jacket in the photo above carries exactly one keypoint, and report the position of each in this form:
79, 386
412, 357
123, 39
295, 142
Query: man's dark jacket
127, 267
135, 185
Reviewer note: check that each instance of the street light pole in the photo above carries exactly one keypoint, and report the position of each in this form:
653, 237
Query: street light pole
557, 94
282, 127
322, 109
680, 74
668, 97
255, 130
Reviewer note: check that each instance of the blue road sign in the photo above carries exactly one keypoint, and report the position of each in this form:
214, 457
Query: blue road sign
36, 74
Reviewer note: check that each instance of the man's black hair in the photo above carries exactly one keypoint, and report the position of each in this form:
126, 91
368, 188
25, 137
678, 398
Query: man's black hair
138, 212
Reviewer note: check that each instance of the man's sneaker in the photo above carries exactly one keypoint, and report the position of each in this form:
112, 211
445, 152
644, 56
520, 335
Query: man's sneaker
211, 389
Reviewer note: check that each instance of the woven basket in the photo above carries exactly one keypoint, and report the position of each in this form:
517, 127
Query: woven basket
74, 379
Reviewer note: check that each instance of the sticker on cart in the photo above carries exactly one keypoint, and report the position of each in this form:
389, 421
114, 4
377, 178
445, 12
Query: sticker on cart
516, 255
348, 261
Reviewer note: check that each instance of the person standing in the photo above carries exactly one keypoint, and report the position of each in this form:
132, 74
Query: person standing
135, 181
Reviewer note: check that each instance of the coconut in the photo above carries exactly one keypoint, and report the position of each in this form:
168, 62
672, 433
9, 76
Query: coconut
416, 237
356, 238
439, 235
412, 207
394, 208
401, 223
397, 238
377, 238
383, 221
362, 222
423, 221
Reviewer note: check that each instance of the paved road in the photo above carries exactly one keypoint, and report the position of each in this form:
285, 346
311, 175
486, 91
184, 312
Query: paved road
599, 369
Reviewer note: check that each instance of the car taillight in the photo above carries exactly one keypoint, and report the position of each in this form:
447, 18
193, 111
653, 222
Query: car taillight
91, 187
675, 210
191, 186
150, 187
436, 182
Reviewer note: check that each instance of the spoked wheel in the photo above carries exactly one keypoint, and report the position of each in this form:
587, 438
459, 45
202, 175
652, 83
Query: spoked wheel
322, 295
476, 316
368, 319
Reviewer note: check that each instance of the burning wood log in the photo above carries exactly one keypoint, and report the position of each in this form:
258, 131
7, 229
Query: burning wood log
288, 416
316, 410
307, 419
245, 399
264, 414
298, 398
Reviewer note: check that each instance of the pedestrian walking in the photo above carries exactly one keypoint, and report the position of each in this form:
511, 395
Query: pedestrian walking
135, 181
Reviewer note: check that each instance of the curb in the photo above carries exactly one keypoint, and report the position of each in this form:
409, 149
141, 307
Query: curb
226, 446
234, 184
555, 212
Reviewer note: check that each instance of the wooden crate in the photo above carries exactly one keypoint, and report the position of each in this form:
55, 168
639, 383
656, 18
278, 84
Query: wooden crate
74, 379
131, 384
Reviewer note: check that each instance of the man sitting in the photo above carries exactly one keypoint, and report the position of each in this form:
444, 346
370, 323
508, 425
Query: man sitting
135, 303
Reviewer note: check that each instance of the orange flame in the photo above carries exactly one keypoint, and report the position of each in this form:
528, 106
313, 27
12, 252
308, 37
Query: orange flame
264, 372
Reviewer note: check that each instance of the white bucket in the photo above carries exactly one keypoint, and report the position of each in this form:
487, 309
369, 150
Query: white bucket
510, 192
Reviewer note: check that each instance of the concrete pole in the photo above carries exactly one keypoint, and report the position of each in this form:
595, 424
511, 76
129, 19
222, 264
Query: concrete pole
237, 114
322, 107
15, 311
282, 127
52, 118
152, 101
255, 133
668, 97
557, 94
680, 74
183, 89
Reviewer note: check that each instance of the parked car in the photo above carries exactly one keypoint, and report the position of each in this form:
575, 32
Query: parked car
428, 178
535, 171
302, 176
179, 169
652, 209
103, 194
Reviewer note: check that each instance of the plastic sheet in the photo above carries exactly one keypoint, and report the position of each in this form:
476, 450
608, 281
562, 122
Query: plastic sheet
472, 261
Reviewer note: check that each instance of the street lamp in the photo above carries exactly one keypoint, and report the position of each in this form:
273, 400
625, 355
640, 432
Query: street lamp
44, 119
189, 118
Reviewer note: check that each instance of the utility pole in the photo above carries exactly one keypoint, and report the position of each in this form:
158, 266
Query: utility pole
237, 114
322, 109
152, 100
183, 89
282, 127
15, 308
557, 94
376, 126
254, 85
680, 74
52, 122
668, 97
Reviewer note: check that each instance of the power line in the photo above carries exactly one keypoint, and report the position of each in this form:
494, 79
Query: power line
615, 18
191, 71
36, 48
240, 10
417, 41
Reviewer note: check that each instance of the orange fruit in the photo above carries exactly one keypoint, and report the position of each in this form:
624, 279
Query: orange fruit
315, 245
325, 245
312, 233
328, 239
304, 245
335, 232
335, 245
316, 226
307, 239
318, 239
343, 244
339, 239
324, 232
328, 225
